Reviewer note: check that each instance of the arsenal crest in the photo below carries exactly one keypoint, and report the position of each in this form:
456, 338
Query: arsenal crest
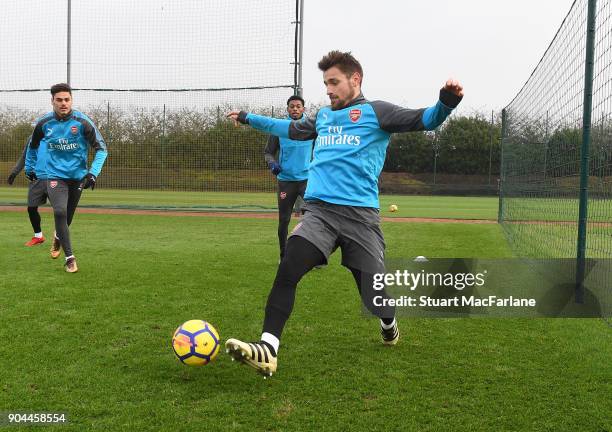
53, 184
355, 115
283, 195
74, 130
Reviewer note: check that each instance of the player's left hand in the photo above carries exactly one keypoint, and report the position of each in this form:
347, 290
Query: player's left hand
11, 178
453, 86
89, 181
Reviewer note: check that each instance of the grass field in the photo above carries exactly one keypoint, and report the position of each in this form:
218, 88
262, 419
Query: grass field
96, 344
409, 206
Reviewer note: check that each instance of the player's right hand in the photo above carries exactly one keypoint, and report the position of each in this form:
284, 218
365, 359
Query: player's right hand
31, 176
11, 178
237, 117
233, 115
274, 167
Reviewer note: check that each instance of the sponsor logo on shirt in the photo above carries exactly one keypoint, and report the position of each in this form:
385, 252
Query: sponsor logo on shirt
64, 145
335, 136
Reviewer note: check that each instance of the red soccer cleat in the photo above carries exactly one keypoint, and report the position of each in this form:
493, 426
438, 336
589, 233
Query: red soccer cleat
35, 241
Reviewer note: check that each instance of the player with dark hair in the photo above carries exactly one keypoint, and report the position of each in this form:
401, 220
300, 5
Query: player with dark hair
288, 160
351, 138
37, 189
67, 135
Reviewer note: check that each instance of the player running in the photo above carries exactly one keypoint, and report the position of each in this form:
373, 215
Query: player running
37, 189
351, 137
66, 134
288, 160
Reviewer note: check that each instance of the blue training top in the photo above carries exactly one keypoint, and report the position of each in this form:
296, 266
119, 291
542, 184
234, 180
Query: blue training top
293, 156
67, 141
351, 143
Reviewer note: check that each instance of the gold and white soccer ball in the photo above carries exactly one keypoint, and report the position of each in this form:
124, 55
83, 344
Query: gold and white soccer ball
196, 343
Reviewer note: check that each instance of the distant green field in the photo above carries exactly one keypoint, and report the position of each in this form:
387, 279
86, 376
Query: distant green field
409, 206
96, 344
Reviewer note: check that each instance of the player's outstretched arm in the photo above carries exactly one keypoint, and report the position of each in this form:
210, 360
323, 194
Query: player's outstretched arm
301, 130
450, 96
393, 118
276, 127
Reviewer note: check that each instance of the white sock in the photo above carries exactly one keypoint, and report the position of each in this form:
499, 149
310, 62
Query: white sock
272, 340
387, 326
38, 235
71, 256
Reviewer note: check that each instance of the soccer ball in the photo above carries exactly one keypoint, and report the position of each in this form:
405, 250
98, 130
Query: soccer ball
392, 208
196, 343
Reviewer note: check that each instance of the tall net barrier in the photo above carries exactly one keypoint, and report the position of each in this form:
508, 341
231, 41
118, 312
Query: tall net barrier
157, 77
543, 132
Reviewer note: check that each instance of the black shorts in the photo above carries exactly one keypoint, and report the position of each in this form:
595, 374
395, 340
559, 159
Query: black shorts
355, 230
37, 193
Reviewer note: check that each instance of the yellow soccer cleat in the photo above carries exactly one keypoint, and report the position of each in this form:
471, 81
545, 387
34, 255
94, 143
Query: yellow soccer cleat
255, 354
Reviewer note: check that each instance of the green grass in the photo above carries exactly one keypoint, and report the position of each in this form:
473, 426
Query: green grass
97, 343
409, 206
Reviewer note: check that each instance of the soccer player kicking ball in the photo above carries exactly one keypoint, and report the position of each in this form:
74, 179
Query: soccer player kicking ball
67, 135
351, 137
37, 189
290, 167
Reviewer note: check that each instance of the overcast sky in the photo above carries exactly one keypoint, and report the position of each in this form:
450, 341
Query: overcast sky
409, 48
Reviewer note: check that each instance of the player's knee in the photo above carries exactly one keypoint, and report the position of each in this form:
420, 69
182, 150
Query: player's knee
60, 213
287, 272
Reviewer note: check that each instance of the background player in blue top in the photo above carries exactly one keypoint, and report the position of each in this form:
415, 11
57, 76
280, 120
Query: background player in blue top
67, 136
37, 190
288, 160
351, 138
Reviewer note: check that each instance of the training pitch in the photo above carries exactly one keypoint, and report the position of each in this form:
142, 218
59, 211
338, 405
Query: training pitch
96, 344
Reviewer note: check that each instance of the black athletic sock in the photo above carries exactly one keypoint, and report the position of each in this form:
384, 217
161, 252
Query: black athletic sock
300, 257
387, 321
34, 219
